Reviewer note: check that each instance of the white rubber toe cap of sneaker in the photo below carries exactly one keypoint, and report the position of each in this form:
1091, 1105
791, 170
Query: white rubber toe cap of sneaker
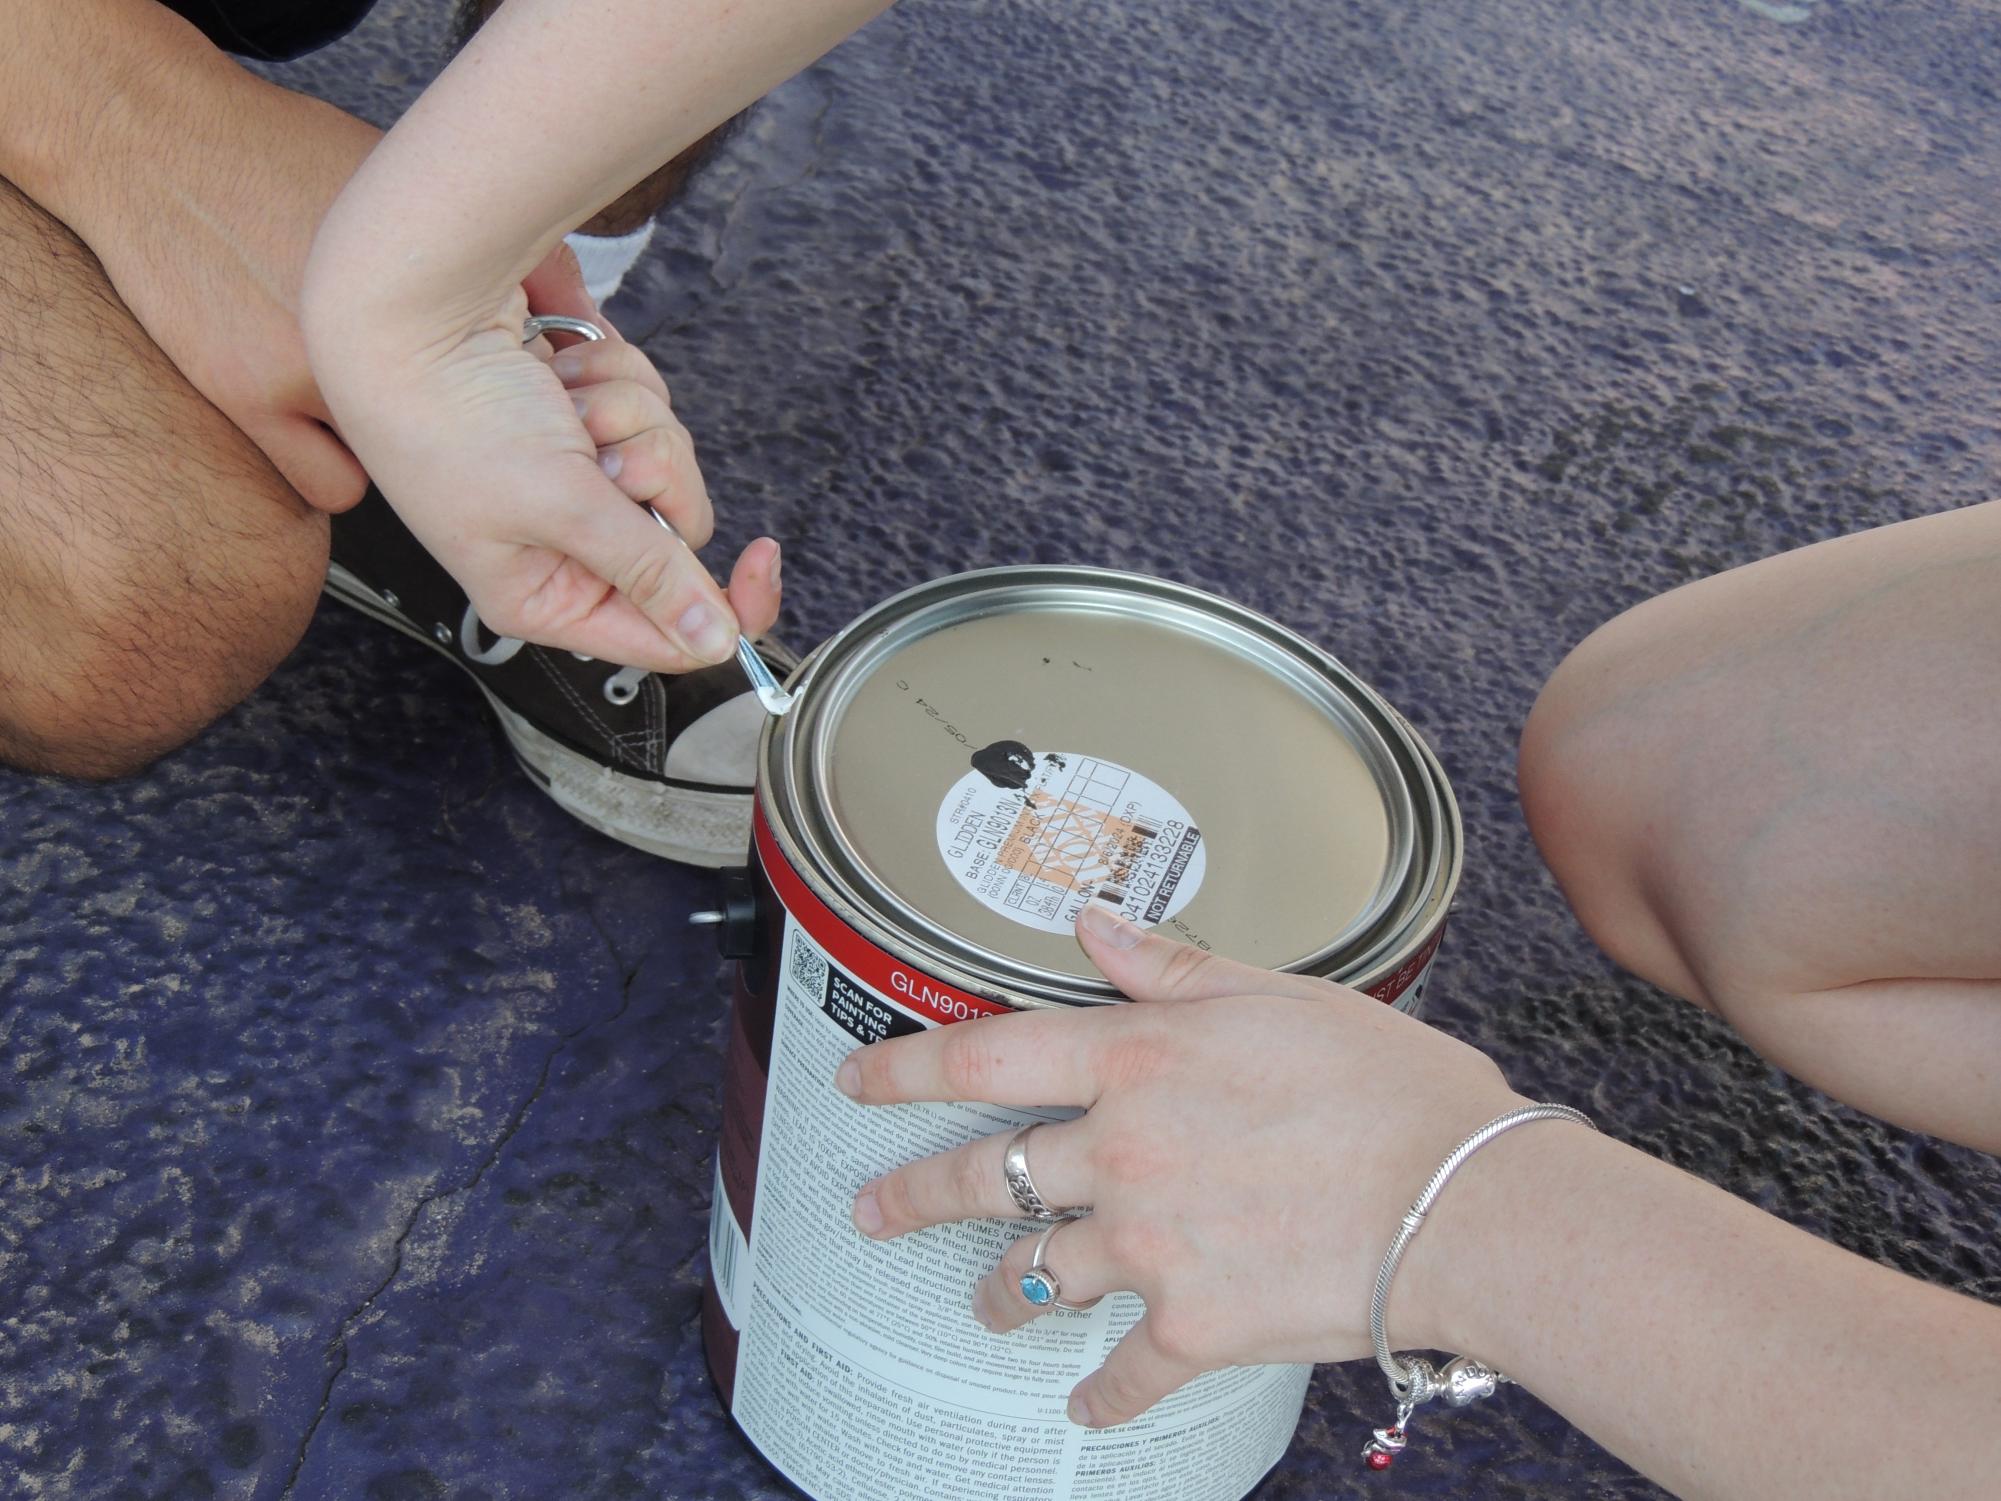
721, 746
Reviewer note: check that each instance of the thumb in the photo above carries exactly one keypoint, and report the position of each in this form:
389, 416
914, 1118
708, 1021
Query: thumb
664, 588
1149, 967
314, 462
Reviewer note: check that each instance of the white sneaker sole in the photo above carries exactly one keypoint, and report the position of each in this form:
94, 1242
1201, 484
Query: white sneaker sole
686, 824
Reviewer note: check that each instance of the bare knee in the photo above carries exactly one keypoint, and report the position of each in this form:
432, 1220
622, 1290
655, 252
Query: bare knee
154, 566
138, 648
1778, 783
1598, 776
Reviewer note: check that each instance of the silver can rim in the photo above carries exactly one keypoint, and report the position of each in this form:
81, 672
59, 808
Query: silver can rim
1427, 893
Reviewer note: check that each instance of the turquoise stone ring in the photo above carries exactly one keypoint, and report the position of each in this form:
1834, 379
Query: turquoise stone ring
1041, 1287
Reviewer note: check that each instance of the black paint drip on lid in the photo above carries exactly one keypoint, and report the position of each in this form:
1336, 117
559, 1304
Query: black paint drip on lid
1005, 763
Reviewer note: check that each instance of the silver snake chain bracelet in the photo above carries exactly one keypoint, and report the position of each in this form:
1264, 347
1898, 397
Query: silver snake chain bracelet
1415, 1381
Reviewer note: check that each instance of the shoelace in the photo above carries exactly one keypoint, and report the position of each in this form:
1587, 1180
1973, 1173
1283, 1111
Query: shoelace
621, 688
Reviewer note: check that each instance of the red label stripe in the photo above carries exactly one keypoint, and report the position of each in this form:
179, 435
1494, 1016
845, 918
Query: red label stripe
876, 968
1400, 979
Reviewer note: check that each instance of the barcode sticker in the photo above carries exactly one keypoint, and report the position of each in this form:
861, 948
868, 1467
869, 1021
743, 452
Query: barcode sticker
1035, 835
727, 1248
809, 968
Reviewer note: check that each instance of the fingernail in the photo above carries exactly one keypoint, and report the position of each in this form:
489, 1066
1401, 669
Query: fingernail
848, 1079
777, 563
702, 629
579, 403
568, 365
1105, 925
868, 1213
611, 461
981, 1315
1079, 1410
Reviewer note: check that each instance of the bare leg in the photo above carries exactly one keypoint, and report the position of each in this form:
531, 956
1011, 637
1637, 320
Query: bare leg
1777, 793
154, 568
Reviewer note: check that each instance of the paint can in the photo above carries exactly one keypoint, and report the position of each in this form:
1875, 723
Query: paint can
965, 766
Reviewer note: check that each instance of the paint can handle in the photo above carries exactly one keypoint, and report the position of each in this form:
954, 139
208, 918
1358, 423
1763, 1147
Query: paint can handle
734, 917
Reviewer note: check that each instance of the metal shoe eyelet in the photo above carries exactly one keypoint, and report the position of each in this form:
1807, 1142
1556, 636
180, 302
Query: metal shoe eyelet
442, 634
619, 692
389, 598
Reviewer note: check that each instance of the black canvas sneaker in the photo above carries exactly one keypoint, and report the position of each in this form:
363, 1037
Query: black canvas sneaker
662, 763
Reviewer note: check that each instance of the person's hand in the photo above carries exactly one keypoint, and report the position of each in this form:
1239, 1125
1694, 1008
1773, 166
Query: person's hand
521, 474
1249, 1144
206, 237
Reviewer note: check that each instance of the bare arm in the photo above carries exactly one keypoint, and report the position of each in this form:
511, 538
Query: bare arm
413, 323
1721, 1351
198, 186
65, 126
553, 109
1716, 1348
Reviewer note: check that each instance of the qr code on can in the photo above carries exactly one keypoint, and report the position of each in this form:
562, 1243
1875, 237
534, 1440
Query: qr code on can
809, 967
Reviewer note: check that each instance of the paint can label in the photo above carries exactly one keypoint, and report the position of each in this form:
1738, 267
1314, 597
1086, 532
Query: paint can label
1035, 835
860, 1371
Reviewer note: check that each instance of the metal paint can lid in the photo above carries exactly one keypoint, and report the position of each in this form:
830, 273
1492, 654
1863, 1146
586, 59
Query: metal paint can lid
973, 760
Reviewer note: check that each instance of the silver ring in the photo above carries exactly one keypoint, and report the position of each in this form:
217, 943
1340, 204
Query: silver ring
534, 328
1021, 1187
1040, 1287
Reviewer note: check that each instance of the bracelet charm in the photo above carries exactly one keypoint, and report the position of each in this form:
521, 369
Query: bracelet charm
1385, 1444
1413, 1380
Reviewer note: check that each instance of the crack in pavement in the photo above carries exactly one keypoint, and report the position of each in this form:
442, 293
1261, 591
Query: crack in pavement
516, 1118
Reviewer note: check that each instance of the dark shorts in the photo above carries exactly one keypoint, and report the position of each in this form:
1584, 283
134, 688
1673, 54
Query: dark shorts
272, 29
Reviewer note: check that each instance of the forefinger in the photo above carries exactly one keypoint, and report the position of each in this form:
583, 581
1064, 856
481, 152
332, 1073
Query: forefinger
1029, 1059
970, 1182
593, 363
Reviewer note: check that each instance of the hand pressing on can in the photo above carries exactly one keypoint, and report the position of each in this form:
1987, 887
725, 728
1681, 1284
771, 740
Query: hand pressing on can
1248, 1143
1252, 1143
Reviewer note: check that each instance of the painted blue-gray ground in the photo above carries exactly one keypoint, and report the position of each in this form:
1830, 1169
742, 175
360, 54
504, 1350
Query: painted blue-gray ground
357, 1108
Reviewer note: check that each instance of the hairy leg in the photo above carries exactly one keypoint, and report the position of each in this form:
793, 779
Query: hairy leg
1777, 793
154, 568
644, 199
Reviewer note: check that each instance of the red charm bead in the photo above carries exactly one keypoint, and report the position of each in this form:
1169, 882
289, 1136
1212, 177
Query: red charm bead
1379, 1460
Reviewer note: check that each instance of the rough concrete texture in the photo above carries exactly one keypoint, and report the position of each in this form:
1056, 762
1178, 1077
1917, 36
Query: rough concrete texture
357, 1108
